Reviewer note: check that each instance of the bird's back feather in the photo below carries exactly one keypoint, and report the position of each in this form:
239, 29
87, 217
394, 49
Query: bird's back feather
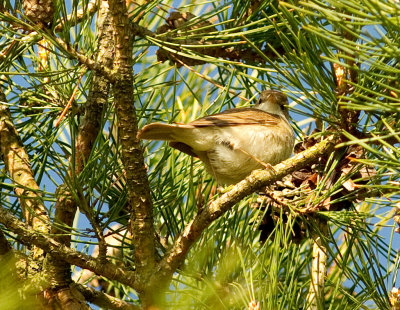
236, 117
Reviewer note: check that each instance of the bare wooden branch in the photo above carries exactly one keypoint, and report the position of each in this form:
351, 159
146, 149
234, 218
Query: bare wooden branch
28, 236
68, 298
104, 300
139, 200
315, 297
17, 163
66, 206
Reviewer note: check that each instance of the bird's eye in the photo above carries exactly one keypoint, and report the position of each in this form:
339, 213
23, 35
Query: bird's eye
259, 101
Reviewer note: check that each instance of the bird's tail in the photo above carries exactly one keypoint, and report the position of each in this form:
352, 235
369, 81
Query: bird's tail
160, 131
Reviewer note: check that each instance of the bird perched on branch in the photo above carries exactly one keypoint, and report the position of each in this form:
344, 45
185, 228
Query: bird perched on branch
235, 142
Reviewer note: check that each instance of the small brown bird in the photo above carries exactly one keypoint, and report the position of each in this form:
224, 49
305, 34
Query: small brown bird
235, 142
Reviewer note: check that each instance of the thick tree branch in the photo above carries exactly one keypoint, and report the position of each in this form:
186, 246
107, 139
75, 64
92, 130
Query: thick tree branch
17, 163
28, 236
68, 298
66, 206
103, 300
259, 178
139, 200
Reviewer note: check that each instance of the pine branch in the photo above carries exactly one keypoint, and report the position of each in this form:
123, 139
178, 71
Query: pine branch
66, 298
66, 205
139, 200
74, 19
18, 166
394, 298
85, 60
104, 300
177, 47
257, 179
59, 251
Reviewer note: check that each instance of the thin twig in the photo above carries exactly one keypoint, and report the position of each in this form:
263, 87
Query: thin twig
70, 99
87, 61
76, 18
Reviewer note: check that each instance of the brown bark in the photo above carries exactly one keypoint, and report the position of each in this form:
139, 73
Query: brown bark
104, 300
17, 163
316, 294
139, 200
61, 252
66, 206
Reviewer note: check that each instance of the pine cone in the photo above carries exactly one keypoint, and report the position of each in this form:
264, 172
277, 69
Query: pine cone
39, 11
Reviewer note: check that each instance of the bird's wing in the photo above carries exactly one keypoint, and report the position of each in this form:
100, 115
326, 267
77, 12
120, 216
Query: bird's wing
232, 117
181, 136
236, 117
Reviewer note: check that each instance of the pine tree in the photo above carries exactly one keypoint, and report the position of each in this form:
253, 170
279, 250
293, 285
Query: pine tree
91, 215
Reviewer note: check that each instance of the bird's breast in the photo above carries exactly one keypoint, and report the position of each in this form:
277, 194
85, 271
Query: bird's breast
238, 150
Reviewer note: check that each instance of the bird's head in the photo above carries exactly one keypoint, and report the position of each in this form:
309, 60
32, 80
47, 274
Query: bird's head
274, 102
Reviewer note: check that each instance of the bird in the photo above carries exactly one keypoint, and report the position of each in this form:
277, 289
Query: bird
233, 143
